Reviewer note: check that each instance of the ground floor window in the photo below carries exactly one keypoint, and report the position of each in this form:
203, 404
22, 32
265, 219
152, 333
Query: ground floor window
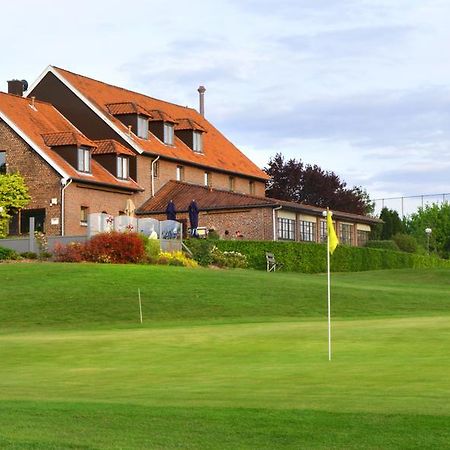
2, 161
363, 237
20, 222
286, 229
323, 231
84, 211
345, 233
307, 231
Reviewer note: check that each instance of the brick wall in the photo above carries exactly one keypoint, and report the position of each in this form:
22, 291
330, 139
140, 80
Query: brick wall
192, 174
42, 181
252, 224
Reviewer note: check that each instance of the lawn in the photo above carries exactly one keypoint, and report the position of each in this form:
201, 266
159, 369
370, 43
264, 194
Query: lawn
224, 359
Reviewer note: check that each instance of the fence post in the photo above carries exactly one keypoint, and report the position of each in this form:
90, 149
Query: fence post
32, 238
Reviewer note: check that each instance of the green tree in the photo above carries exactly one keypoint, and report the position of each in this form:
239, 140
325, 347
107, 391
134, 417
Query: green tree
436, 217
13, 196
392, 224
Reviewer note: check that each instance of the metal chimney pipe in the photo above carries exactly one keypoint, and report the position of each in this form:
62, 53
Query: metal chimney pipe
201, 92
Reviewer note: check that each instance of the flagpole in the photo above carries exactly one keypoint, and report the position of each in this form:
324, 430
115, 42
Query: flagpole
329, 297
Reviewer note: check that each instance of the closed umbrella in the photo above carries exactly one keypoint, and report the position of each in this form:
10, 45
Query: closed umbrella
193, 217
171, 212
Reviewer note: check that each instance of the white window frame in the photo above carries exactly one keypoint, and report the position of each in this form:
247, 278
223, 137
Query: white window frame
84, 160
180, 173
123, 167
168, 133
207, 179
84, 213
142, 127
197, 141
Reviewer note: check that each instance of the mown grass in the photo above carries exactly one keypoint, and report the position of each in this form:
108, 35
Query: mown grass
224, 359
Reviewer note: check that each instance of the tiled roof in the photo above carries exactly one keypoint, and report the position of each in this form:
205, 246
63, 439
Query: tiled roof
219, 153
109, 146
127, 108
43, 120
209, 199
188, 124
158, 115
66, 138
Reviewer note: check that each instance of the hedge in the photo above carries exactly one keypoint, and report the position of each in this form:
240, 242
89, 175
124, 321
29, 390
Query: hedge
311, 258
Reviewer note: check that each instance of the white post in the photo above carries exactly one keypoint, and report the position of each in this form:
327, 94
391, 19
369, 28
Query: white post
140, 304
329, 297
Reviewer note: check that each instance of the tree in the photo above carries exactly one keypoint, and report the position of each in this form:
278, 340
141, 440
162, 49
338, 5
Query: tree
292, 180
436, 217
392, 224
13, 196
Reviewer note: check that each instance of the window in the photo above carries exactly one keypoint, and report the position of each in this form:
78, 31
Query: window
286, 229
323, 231
180, 173
197, 144
2, 161
231, 183
122, 167
84, 211
84, 159
345, 233
251, 187
307, 231
168, 133
155, 166
207, 179
363, 237
142, 127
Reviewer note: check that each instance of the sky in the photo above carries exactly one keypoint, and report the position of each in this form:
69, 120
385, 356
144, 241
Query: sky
359, 87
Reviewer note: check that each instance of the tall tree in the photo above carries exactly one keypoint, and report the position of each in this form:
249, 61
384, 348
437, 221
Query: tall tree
292, 180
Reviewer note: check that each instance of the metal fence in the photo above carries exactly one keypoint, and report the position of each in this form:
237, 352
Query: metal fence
407, 205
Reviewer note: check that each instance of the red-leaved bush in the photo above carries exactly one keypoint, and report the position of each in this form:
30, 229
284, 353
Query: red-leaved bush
111, 247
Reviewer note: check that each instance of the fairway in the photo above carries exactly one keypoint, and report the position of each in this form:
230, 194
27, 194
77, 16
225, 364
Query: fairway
224, 359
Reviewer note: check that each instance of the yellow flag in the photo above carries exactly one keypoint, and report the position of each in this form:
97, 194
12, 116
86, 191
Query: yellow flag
331, 233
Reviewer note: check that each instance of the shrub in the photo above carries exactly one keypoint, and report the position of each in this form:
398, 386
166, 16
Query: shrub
201, 250
73, 252
406, 243
115, 247
385, 245
29, 255
311, 257
175, 259
228, 259
7, 253
152, 249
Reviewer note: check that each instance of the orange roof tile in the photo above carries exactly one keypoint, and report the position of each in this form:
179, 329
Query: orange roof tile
66, 138
188, 124
43, 120
127, 108
219, 152
209, 199
158, 115
109, 146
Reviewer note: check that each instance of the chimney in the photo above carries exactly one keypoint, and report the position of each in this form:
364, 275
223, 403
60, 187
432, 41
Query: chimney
201, 92
17, 87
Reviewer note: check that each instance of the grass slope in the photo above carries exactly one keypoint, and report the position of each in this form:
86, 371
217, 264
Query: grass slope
225, 359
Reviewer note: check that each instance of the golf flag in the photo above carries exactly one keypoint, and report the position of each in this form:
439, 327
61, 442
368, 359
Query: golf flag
333, 240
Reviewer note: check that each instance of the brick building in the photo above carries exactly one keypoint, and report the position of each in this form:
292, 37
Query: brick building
84, 146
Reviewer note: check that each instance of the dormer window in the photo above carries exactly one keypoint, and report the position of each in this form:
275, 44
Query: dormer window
197, 142
142, 127
168, 133
84, 159
122, 167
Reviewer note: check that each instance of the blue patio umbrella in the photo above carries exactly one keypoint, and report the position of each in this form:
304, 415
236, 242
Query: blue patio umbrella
193, 217
171, 211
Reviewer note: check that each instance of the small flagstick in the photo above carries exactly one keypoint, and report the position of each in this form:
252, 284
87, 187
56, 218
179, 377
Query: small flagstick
140, 304
329, 298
